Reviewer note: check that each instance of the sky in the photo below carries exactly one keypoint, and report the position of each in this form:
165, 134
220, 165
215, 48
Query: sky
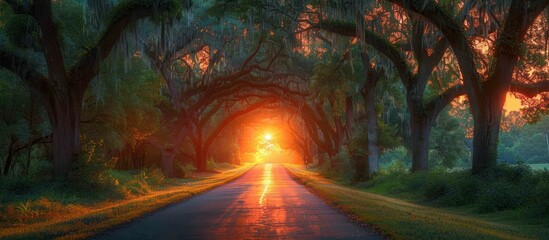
512, 103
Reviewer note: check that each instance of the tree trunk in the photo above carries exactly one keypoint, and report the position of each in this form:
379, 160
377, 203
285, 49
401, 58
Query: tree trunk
420, 129
168, 156
486, 134
361, 168
11, 155
372, 128
201, 161
64, 114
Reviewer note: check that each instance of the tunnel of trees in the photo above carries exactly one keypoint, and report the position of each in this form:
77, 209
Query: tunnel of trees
140, 83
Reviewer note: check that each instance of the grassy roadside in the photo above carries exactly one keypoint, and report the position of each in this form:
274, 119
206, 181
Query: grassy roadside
90, 220
403, 220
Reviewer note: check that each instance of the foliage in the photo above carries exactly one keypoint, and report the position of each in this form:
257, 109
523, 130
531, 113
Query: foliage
527, 144
22, 31
395, 159
339, 168
121, 107
332, 80
503, 187
184, 170
387, 136
447, 142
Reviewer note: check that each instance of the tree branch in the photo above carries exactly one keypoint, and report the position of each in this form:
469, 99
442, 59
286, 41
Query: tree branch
455, 34
373, 39
530, 90
124, 14
435, 106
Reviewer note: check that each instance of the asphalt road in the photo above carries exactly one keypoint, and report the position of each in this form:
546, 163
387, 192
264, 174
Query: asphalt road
265, 203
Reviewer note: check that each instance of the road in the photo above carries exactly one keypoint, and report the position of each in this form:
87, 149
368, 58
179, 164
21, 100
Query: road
265, 203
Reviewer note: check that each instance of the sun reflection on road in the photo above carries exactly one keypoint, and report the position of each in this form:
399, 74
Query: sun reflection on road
266, 183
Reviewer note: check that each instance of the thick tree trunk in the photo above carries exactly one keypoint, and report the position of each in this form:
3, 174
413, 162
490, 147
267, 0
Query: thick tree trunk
420, 129
486, 134
372, 128
64, 114
168, 156
201, 162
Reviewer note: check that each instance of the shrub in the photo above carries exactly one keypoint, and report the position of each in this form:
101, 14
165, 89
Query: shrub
396, 166
93, 177
500, 188
462, 189
136, 187
210, 164
435, 186
328, 171
184, 170
500, 195
155, 176
540, 193
16, 185
339, 168
41, 169
513, 174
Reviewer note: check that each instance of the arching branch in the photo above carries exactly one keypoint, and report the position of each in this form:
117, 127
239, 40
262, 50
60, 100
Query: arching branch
530, 90
122, 16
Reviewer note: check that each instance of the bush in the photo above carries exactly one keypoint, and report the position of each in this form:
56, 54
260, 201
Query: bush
210, 164
328, 171
41, 169
184, 170
462, 189
500, 195
91, 173
436, 186
16, 185
339, 168
155, 176
499, 188
540, 196
94, 177
511, 173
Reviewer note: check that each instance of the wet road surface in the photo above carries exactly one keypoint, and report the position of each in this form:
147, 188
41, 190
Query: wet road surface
265, 203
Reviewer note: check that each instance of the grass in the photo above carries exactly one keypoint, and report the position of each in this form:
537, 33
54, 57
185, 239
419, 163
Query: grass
401, 219
55, 219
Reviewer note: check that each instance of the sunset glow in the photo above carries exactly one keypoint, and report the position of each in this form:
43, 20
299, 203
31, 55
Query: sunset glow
274, 119
512, 103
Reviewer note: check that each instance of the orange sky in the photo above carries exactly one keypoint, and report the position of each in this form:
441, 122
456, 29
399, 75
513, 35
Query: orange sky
512, 103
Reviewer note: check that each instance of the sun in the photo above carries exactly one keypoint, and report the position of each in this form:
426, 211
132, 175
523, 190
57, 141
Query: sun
268, 137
